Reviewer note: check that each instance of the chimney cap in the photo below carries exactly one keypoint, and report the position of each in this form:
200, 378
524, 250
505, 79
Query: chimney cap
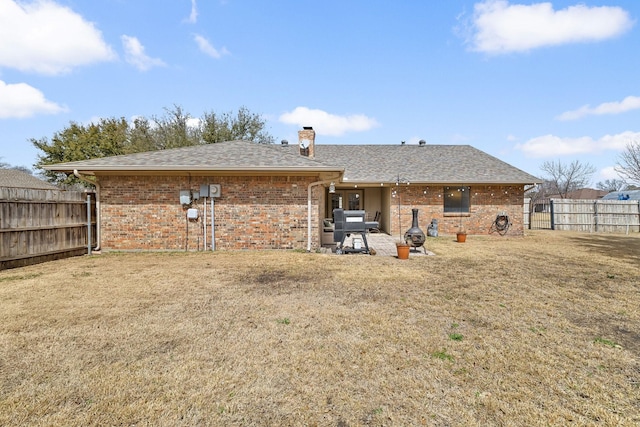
307, 127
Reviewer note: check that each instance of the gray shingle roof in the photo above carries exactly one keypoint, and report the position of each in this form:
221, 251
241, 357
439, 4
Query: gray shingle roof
13, 178
222, 156
449, 164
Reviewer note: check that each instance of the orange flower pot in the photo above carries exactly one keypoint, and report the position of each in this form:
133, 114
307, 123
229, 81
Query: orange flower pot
403, 250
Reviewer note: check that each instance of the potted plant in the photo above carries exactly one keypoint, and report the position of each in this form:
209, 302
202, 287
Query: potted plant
402, 247
461, 235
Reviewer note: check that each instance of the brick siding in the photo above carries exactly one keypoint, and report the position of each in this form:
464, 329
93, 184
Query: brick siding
144, 213
268, 212
485, 204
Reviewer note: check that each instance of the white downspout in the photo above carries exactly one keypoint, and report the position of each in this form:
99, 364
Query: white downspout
98, 216
313, 184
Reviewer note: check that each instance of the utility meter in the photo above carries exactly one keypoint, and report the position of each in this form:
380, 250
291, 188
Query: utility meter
214, 190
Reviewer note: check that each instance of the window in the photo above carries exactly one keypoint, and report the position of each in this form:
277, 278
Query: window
345, 199
457, 199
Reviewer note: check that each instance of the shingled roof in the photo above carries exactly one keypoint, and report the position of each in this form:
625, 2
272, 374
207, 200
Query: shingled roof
450, 164
222, 156
361, 164
13, 178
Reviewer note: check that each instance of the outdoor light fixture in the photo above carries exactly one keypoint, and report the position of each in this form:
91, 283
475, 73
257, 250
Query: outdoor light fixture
332, 187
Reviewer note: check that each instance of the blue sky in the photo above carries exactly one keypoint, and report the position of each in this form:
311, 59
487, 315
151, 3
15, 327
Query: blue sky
525, 81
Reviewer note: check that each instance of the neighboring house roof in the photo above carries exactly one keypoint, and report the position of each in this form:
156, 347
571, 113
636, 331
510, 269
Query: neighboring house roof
451, 164
582, 194
13, 178
622, 195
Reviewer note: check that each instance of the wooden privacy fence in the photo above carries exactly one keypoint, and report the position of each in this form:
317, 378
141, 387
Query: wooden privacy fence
43, 225
598, 216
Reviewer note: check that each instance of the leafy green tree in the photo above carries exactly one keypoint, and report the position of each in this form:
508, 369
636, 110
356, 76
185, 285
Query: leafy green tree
176, 128
108, 137
141, 136
245, 125
173, 131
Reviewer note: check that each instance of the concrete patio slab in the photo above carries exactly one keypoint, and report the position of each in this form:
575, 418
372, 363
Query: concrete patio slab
385, 245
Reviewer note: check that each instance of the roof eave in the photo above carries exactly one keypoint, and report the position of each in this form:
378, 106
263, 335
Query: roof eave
450, 182
185, 168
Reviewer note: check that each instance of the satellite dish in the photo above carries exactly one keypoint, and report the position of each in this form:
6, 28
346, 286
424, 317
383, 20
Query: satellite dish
305, 143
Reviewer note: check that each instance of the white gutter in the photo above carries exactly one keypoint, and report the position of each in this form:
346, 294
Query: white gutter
98, 216
313, 184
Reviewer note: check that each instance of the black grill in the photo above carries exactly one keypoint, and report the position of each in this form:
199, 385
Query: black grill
351, 222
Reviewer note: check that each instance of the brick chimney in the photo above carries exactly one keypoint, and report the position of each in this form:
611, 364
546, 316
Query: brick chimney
306, 141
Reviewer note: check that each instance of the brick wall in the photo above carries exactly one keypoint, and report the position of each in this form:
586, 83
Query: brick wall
269, 212
144, 213
486, 202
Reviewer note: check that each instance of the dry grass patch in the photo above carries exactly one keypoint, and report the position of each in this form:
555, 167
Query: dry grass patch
540, 330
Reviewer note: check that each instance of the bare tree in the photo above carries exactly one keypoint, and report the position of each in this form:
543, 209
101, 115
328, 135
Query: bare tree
628, 165
5, 165
563, 178
611, 185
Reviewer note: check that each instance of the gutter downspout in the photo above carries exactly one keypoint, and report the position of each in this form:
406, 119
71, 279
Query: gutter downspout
313, 184
98, 216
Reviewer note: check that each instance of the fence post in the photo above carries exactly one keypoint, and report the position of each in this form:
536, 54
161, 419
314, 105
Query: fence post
88, 224
595, 214
553, 222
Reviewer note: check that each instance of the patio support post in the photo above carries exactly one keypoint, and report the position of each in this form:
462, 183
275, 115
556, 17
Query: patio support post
313, 184
88, 224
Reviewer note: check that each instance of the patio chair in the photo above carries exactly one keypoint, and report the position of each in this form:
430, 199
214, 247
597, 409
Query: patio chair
376, 218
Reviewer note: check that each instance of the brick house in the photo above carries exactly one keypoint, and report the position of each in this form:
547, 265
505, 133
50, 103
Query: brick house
276, 196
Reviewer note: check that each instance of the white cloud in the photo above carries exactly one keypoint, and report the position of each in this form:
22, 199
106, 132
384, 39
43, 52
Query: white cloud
193, 16
608, 173
135, 55
498, 27
21, 100
627, 104
47, 38
194, 123
328, 124
207, 48
553, 146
